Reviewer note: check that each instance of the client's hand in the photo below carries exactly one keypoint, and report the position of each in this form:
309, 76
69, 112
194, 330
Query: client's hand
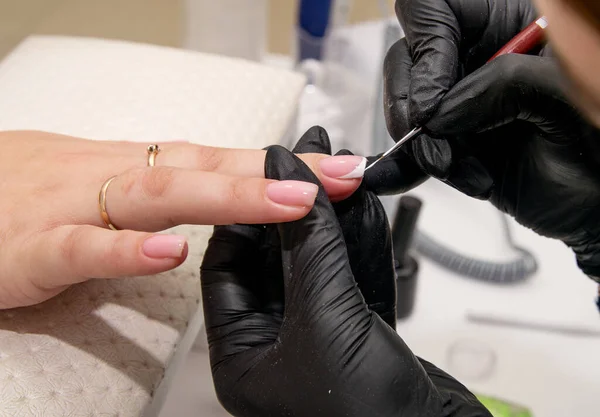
51, 231
300, 316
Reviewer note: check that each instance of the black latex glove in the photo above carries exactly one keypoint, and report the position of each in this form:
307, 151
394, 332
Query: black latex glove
291, 333
503, 131
445, 41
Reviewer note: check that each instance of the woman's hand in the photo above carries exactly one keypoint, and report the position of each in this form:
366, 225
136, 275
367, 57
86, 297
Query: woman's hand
51, 231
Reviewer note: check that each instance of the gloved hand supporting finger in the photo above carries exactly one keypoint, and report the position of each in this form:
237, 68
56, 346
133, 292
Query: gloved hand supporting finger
365, 229
319, 282
367, 236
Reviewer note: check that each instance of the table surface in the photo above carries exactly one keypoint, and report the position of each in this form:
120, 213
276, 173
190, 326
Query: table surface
555, 375
116, 343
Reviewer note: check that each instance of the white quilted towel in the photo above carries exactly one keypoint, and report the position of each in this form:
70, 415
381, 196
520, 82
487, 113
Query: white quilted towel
109, 348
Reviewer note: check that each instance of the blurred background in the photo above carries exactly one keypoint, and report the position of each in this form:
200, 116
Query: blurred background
160, 22
269, 31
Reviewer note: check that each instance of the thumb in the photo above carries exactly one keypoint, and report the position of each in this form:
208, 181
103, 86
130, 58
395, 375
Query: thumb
72, 254
319, 285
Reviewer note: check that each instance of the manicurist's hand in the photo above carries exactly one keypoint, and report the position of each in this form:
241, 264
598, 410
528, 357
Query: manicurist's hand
52, 233
300, 317
503, 131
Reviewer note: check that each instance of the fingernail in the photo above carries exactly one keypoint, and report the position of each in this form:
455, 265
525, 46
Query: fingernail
344, 166
164, 246
292, 193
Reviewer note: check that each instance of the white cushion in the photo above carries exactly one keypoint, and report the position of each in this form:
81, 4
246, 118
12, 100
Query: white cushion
108, 347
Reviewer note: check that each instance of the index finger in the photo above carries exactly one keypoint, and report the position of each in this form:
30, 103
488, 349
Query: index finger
433, 35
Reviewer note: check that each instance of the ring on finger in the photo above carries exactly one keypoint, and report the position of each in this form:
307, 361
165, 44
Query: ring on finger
153, 150
102, 204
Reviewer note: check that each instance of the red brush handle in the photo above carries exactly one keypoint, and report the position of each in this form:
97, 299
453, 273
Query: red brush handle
529, 38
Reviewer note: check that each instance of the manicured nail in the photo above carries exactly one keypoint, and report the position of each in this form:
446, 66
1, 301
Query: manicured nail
292, 193
344, 166
164, 246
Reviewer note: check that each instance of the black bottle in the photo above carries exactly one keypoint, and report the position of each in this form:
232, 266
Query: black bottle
407, 267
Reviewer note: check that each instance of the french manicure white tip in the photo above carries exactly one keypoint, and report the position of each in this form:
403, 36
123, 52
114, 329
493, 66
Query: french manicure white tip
357, 172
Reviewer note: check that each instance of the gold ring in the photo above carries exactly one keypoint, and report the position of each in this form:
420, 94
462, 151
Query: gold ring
153, 150
102, 203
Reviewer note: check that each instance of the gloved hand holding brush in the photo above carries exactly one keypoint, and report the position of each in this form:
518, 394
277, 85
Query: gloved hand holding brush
503, 131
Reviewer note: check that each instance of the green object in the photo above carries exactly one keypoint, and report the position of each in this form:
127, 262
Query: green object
500, 408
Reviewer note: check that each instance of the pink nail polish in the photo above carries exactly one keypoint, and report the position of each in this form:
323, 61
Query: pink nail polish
344, 166
292, 193
164, 246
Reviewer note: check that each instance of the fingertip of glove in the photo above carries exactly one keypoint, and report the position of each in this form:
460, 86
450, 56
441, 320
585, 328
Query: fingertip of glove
315, 140
281, 164
344, 152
